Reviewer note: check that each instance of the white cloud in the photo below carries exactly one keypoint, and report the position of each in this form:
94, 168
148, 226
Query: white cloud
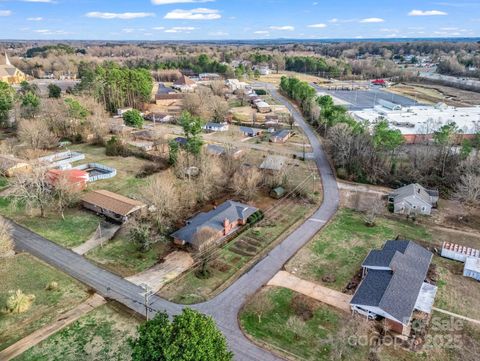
50, 32
159, 28
285, 27
35, 19
128, 30
372, 20
180, 29
261, 32
318, 26
5, 12
427, 13
166, 2
123, 16
333, 21
194, 14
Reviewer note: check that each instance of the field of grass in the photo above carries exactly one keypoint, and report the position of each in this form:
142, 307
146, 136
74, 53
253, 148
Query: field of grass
342, 246
301, 328
3, 182
30, 275
229, 261
123, 257
76, 228
125, 182
101, 335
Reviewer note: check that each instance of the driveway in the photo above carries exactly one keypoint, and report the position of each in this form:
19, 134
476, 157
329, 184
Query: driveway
318, 292
225, 307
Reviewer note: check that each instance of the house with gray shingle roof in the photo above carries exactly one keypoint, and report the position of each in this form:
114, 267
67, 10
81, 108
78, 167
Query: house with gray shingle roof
413, 199
394, 286
208, 228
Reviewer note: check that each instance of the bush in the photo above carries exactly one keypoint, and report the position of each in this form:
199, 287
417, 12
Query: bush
256, 217
133, 118
261, 91
52, 286
19, 302
54, 91
115, 148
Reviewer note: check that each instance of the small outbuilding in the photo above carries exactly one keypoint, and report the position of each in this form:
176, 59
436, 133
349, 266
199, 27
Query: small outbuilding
472, 268
11, 166
277, 192
112, 205
413, 199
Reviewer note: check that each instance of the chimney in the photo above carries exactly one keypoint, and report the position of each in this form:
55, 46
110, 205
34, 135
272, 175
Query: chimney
226, 225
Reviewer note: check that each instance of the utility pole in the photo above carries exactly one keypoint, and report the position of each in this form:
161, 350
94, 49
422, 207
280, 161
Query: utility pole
147, 294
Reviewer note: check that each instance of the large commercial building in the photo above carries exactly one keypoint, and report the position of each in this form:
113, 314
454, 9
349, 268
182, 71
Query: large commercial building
418, 123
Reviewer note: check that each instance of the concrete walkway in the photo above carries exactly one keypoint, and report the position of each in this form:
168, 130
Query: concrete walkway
320, 293
102, 235
456, 315
62, 321
174, 264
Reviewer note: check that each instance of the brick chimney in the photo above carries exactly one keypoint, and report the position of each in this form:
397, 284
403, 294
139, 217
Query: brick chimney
226, 226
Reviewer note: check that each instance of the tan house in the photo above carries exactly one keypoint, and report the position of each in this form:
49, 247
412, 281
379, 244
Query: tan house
9, 73
112, 205
12, 166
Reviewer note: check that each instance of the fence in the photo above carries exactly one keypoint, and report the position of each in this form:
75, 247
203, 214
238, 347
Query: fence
97, 171
61, 159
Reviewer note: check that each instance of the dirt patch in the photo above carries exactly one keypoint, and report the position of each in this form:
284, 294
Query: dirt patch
437, 93
303, 306
352, 285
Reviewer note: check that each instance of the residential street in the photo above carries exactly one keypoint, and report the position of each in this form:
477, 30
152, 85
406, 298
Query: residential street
226, 306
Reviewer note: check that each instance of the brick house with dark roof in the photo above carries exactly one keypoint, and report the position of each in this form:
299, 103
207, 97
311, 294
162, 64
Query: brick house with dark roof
208, 228
394, 286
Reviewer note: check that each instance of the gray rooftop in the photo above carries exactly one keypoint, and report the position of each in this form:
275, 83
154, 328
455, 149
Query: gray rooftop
213, 219
413, 190
396, 288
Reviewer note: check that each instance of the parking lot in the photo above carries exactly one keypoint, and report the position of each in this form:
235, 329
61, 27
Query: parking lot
362, 99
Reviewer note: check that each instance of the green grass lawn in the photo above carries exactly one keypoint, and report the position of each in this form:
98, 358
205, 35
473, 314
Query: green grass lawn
345, 242
125, 182
3, 182
304, 329
76, 228
301, 326
30, 275
101, 335
123, 257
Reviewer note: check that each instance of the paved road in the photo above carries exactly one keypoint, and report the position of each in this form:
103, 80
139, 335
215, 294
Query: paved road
226, 306
364, 99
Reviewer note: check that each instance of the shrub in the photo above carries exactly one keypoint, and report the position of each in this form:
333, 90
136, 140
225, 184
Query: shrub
54, 91
133, 118
19, 302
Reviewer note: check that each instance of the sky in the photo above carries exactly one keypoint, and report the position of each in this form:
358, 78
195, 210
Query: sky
237, 19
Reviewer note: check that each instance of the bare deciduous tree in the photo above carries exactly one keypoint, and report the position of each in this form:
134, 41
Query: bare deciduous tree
36, 134
65, 193
32, 191
246, 182
468, 188
160, 192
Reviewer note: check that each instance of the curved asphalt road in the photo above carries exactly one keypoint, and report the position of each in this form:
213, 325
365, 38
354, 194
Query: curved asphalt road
225, 307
